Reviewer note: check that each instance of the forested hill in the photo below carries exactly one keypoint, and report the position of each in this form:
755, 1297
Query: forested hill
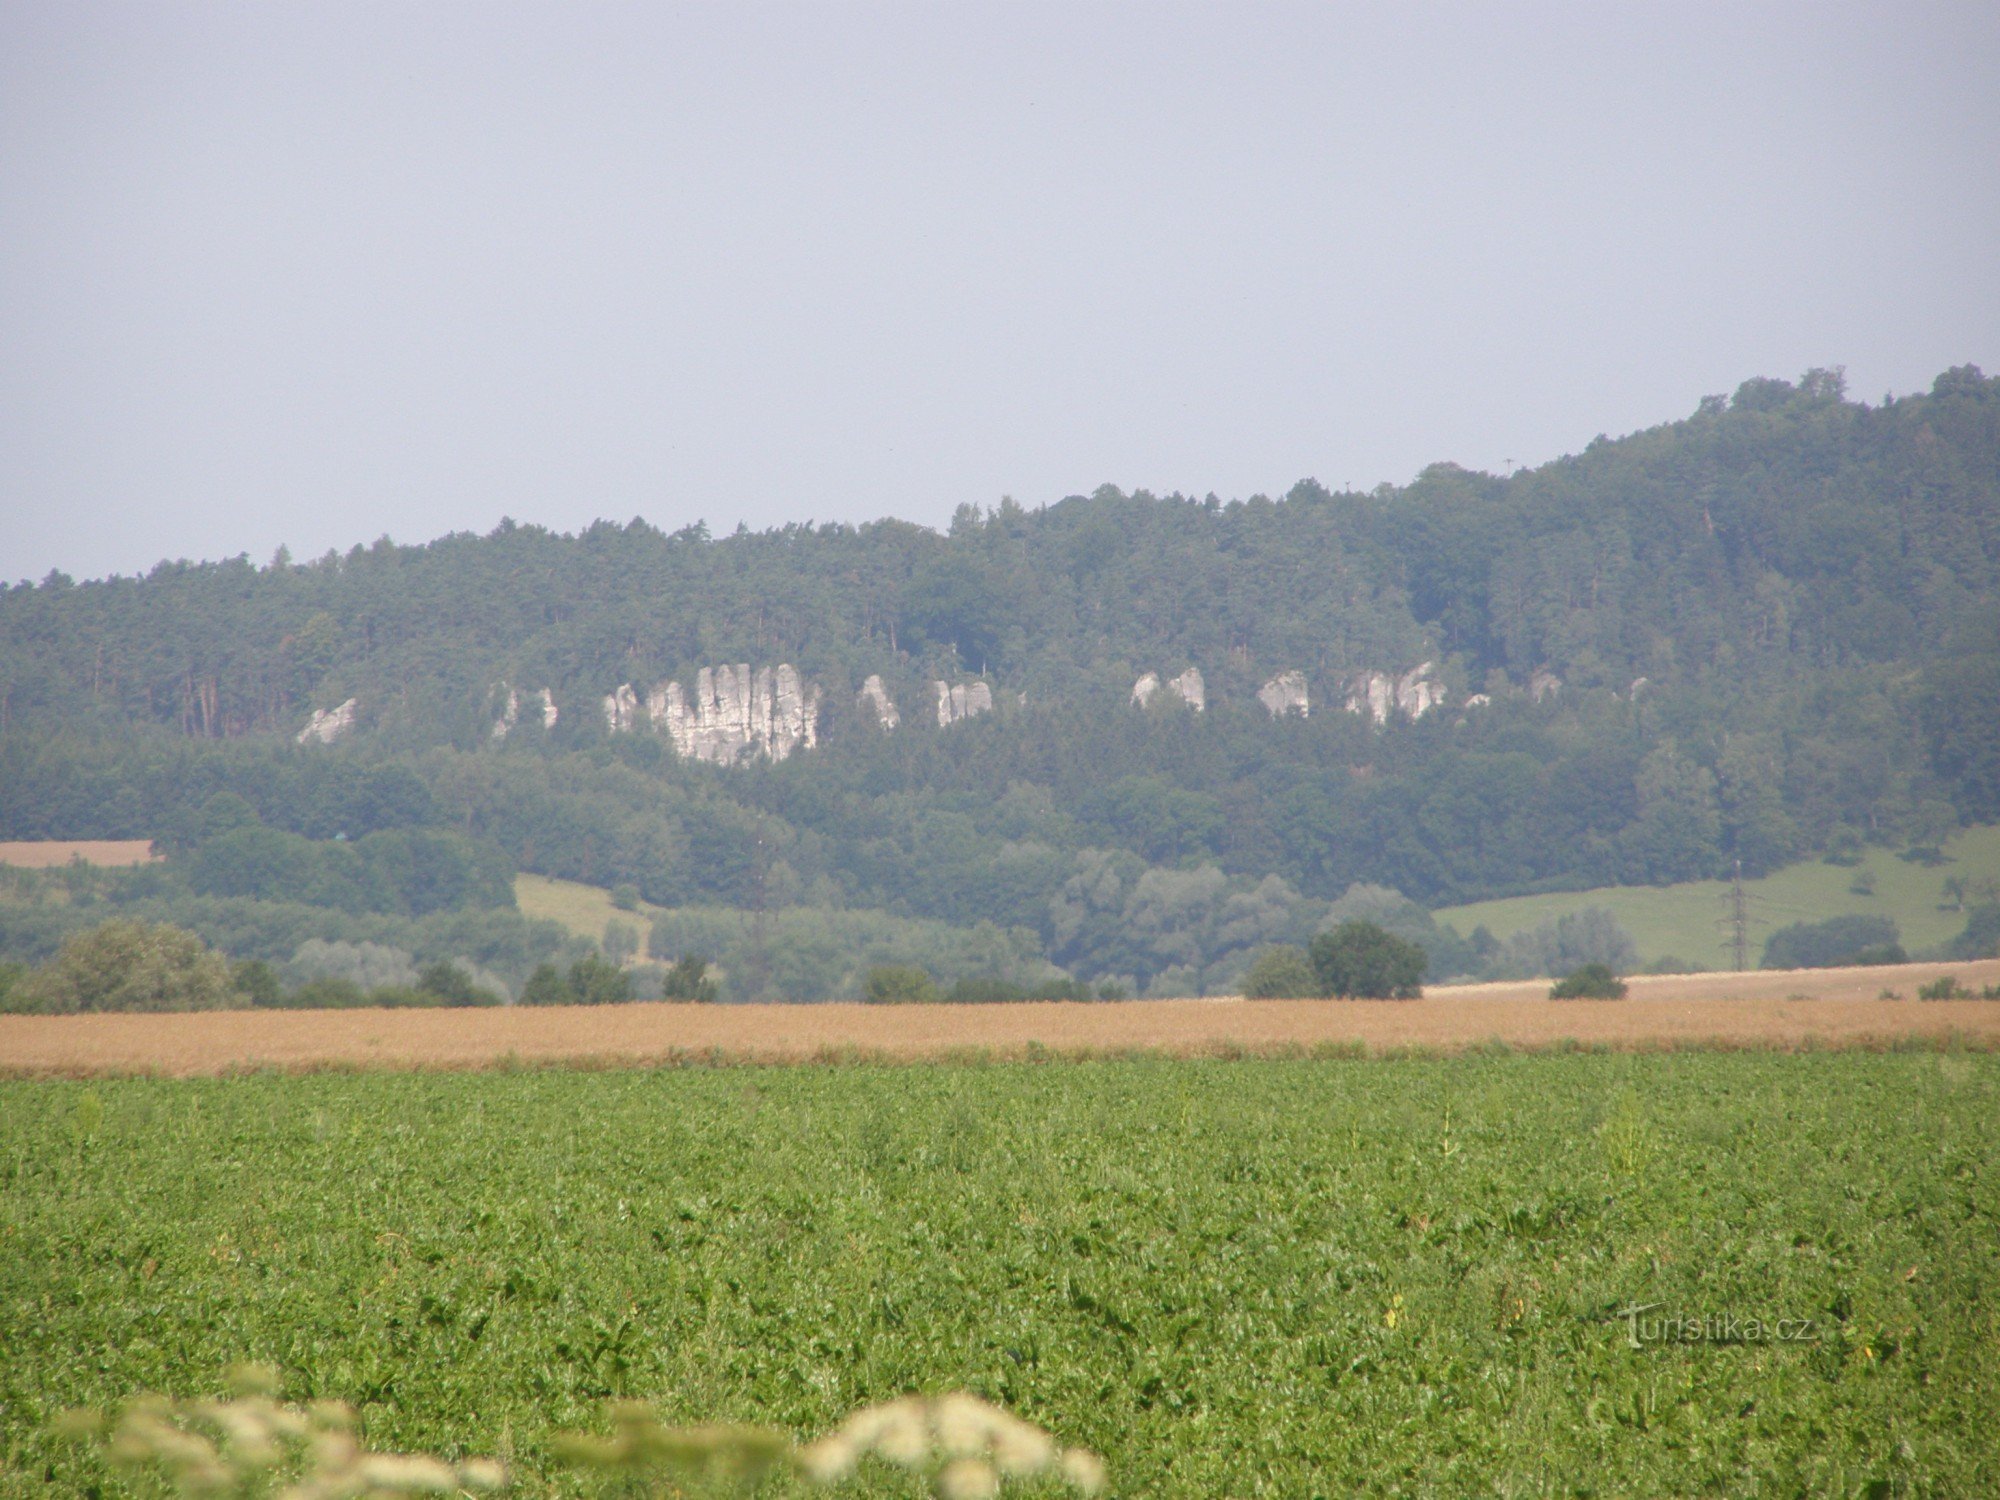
1785, 530
1807, 585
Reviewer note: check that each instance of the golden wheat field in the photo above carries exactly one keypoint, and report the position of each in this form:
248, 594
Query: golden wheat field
48, 854
1827, 1007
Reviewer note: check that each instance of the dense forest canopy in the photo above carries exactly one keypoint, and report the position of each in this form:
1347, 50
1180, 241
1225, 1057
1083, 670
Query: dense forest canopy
1745, 636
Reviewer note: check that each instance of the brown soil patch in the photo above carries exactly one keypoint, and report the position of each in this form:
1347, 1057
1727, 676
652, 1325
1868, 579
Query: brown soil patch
1829, 1007
44, 854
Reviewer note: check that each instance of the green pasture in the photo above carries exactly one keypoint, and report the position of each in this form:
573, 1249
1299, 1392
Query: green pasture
1284, 1278
583, 909
1685, 921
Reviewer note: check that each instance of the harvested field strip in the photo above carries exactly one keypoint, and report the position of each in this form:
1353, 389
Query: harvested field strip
1835, 1008
48, 854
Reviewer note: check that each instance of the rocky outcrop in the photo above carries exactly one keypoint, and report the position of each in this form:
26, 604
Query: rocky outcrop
1478, 700
621, 710
733, 714
966, 700
541, 702
736, 713
1544, 684
1380, 694
1285, 694
328, 724
874, 700
1188, 687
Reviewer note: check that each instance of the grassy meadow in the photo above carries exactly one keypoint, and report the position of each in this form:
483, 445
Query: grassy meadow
583, 909
1685, 921
1287, 1278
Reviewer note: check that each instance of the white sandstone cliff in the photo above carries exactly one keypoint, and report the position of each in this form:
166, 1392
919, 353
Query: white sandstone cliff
734, 713
966, 700
874, 699
1379, 694
1284, 694
539, 700
328, 724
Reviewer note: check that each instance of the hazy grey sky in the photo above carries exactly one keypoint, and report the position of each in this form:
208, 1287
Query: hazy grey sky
307, 273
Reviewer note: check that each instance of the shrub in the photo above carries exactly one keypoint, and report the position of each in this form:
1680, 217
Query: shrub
898, 984
590, 981
256, 981
402, 997
1668, 963
324, 994
1445, 952
621, 940
546, 986
594, 981
371, 966
625, 897
1001, 992
1866, 958
1828, 944
1944, 987
1981, 938
1589, 936
1359, 961
130, 966
1591, 982
452, 985
1282, 972
688, 980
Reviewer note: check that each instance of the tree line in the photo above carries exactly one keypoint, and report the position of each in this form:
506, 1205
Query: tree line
1759, 633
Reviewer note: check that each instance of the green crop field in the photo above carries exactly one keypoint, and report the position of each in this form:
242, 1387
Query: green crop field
1685, 921
1286, 1278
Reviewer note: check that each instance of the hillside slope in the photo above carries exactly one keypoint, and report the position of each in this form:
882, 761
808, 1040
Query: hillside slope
1151, 733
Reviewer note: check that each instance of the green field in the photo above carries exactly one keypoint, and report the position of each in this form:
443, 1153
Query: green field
583, 909
1286, 1278
1685, 921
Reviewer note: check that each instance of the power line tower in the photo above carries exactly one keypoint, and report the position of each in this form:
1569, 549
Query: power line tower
760, 964
1738, 918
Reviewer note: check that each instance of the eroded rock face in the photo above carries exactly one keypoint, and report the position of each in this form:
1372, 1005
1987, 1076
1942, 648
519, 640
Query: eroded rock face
734, 713
1285, 694
1544, 684
737, 713
621, 710
1190, 689
1380, 694
874, 699
540, 701
328, 724
965, 700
